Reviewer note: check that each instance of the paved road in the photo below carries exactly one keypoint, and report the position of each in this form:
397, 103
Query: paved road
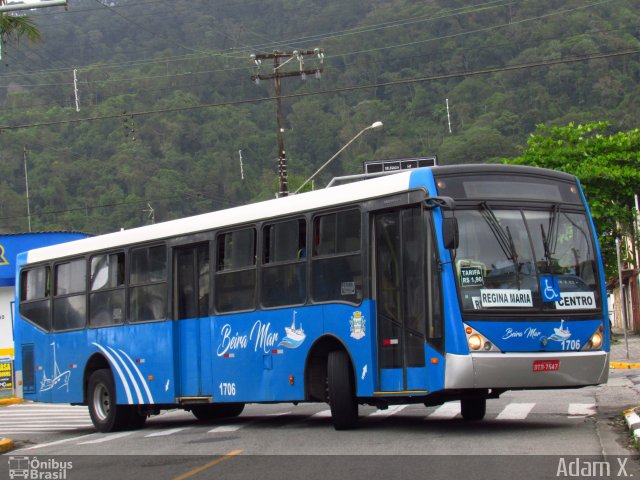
524, 435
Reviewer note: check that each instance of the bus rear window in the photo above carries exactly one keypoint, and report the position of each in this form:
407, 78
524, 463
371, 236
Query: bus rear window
35, 305
35, 284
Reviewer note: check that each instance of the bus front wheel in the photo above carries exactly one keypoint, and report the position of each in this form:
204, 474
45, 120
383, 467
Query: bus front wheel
106, 415
473, 408
342, 398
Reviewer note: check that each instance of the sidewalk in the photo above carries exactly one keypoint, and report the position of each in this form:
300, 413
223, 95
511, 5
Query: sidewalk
619, 350
625, 354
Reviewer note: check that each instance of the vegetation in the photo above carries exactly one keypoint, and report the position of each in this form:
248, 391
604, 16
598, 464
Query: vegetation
113, 162
13, 28
607, 165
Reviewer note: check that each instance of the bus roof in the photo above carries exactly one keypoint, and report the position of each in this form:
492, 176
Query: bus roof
233, 216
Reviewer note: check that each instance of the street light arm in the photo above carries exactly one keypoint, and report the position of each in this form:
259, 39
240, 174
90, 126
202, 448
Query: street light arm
373, 125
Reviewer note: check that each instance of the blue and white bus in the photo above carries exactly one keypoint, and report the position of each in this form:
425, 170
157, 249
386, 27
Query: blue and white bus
425, 286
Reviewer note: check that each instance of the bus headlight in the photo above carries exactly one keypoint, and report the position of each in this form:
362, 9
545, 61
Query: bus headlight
596, 340
474, 341
478, 342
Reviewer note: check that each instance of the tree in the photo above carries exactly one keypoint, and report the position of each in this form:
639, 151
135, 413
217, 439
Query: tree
607, 166
13, 28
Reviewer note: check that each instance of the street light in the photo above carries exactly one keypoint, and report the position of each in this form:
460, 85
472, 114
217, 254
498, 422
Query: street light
372, 126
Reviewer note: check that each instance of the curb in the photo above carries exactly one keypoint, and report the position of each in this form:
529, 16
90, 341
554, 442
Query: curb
10, 401
6, 444
633, 422
624, 365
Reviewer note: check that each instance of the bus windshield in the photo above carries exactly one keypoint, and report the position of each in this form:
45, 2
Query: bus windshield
542, 260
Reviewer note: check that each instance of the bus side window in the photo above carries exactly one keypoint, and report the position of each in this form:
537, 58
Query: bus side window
336, 267
235, 280
70, 299
148, 284
106, 297
284, 263
34, 296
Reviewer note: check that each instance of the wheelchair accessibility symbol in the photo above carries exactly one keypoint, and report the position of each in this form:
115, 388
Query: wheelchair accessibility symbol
549, 288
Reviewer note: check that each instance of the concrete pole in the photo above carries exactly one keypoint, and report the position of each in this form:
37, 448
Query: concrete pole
623, 305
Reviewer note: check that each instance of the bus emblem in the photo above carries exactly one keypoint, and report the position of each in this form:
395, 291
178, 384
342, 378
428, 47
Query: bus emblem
295, 336
560, 334
358, 325
59, 378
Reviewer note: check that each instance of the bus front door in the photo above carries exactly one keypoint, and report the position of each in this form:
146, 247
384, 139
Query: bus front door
191, 272
399, 238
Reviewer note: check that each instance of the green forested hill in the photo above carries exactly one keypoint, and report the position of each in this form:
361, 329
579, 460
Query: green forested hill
143, 63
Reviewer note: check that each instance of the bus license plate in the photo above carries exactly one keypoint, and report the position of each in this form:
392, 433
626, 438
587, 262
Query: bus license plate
546, 365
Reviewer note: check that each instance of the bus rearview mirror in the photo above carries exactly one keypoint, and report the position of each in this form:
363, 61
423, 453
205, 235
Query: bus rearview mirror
450, 234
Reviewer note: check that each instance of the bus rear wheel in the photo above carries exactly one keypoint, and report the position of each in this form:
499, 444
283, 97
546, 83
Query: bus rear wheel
106, 414
207, 413
473, 408
342, 398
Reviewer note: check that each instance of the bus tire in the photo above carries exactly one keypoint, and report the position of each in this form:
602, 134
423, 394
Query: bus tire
342, 398
473, 409
206, 413
106, 415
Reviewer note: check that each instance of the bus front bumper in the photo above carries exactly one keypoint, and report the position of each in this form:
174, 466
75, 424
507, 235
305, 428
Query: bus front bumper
522, 370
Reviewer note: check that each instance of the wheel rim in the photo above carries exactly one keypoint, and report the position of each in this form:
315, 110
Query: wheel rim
101, 402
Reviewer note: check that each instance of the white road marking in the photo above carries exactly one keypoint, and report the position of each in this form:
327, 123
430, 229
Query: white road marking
582, 409
107, 438
226, 428
392, 410
515, 411
448, 410
163, 433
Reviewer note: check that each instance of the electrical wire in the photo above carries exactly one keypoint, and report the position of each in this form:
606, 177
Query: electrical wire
470, 73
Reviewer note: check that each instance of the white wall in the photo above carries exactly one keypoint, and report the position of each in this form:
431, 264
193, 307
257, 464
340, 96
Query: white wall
6, 328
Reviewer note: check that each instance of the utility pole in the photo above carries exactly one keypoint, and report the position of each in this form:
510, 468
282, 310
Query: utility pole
277, 74
26, 182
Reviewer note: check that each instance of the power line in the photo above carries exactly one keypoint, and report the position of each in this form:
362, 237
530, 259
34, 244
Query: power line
447, 76
145, 28
335, 34
223, 201
478, 30
232, 69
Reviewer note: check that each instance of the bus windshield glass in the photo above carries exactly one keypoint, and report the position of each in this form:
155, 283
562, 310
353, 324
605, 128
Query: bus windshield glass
536, 260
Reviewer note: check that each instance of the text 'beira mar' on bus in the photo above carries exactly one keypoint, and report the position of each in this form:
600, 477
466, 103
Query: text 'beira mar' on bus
425, 286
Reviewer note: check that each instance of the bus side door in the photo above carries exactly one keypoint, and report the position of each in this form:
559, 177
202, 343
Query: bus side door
399, 237
191, 273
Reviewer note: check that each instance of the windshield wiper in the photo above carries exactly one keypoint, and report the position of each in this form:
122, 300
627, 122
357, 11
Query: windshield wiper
550, 239
503, 236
